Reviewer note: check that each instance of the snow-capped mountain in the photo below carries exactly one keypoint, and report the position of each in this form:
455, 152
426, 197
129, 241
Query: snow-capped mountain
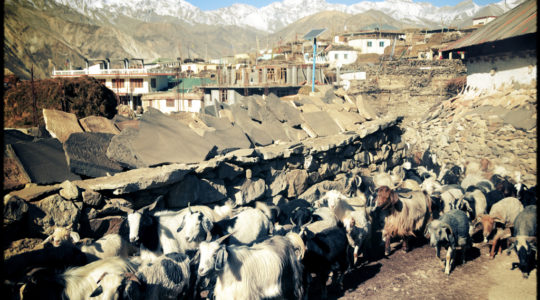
279, 14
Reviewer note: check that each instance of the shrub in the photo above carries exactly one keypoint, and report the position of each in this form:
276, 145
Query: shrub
83, 96
455, 85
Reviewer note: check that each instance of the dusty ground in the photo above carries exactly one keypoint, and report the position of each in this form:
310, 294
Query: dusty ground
417, 275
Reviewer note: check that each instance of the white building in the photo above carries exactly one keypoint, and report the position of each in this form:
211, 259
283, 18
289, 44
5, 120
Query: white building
341, 55
483, 20
128, 83
373, 41
169, 102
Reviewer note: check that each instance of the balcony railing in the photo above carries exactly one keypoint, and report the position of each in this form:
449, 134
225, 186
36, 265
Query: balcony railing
110, 72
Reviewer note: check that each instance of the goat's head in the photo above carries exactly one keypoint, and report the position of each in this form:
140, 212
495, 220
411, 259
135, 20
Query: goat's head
525, 247
62, 235
196, 227
349, 223
438, 232
385, 197
488, 224
118, 286
136, 221
212, 256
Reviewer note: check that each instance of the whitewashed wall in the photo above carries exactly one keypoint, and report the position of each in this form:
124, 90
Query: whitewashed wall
361, 44
492, 72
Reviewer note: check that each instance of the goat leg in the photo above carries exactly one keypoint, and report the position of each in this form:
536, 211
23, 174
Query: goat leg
449, 260
387, 246
405, 244
494, 247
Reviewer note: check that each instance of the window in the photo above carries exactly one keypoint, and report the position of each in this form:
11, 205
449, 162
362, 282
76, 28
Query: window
336, 56
223, 96
369, 43
153, 83
189, 103
170, 102
381, 44
345, 56
118, 83
136, 83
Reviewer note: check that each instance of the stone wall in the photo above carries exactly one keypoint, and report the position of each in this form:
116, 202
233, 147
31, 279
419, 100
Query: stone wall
274, 174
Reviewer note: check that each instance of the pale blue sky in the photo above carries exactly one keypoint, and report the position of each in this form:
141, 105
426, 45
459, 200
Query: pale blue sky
215, 4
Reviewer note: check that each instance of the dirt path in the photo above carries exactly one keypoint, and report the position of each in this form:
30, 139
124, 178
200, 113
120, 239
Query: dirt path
417, 275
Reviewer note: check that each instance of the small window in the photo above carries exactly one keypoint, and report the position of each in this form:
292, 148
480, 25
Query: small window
369, 43
136, 83
336, 56
118, 83
223, 96
381, 44
345, 56
170, 102
153, 83
189, 103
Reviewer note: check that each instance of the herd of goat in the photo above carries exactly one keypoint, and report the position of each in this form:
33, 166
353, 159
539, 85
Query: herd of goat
272, 251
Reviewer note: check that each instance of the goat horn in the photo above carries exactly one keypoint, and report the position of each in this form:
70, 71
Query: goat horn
189, 207
221, 239
132, 277
292, 222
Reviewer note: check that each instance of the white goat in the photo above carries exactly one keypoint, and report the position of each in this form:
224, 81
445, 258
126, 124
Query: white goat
269, 269
166, 277
247, 226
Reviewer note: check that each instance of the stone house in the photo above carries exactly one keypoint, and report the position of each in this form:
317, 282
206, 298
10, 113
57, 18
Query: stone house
501, 53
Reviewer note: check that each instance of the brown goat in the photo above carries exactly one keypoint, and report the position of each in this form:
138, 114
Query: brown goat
405, 215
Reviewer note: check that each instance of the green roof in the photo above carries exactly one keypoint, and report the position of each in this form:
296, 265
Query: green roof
187, 85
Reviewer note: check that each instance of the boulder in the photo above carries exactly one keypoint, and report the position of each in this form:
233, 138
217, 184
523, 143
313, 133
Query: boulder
121, 150
255, 131
33, 191
229, 171
86, 153
15, 176
520, 119
98, 124
44, 161
250, 190
92, 198
297, 182
226, 136
278, 183
321, 123
69, 191
137, 180
283, 111
15, 209
52, 211
194, 191
161, 140
60, 124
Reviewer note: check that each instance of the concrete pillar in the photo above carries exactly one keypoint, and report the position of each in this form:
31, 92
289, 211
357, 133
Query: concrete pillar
233, 76
289, 76
309, 75
450, 55
294, 75
264, 79
243, 77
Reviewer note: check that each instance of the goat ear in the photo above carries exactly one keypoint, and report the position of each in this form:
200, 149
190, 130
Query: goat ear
207, 225
182, 223
393, 197
221, 258
98, 291
157, 204
75, 237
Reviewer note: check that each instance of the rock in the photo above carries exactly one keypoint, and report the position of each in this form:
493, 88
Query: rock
92, 198
297, 182
123, 125
137, 180
15, 176
69, 191
250, 190
283, 111
98, 124
161, 139
44, 161
347, 121
278, 183
229, 171
33, 192
364, 109
52, 211
520, 119
226, 136
321, 123
60, 124
15, 209
86, 153
256, 132
121, 149
195, 191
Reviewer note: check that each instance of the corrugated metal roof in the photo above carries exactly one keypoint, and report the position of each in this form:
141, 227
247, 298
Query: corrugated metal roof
519, 21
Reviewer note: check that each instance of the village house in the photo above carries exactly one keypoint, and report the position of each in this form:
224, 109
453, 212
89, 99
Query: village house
170, 102
129, 83
339, 55
371, 41
483, 20
502, 52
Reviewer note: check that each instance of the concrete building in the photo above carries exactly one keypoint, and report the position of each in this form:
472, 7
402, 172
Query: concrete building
170, 102
501, 53
129, 83
339, 55
282, 80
